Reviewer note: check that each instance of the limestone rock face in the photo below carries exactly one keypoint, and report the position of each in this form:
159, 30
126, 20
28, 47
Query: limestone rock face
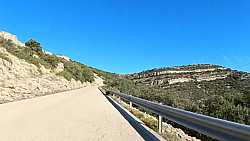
63, 57
11, 37
21, 80
59, 68
164, 77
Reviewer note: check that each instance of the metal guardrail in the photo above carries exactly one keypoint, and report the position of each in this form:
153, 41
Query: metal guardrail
213, 127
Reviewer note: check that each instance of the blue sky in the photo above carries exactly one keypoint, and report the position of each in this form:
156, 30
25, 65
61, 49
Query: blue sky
125, 36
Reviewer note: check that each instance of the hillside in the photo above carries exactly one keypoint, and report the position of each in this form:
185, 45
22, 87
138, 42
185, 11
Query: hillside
26, 70
206, 89
164, 77
203, 88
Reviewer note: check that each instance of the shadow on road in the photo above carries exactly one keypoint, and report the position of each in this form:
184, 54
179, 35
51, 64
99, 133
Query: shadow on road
145, 134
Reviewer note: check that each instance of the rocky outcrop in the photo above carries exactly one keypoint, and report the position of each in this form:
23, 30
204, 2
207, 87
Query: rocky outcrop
66, 58
59, 68
13, 38
168, 76
21, 80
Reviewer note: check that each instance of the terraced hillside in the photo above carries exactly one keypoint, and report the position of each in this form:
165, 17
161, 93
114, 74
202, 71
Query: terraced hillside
164, 77
204, 88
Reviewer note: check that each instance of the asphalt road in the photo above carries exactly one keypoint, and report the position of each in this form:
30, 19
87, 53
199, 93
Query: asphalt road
78, 115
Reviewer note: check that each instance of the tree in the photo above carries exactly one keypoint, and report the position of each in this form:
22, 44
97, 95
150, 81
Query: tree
34, 46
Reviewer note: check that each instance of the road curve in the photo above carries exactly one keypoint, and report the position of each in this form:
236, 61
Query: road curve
78, 115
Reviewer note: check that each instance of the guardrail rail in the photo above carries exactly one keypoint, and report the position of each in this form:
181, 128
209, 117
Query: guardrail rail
213, 127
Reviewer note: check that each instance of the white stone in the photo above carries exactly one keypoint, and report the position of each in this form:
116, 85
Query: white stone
63, 57
13, 38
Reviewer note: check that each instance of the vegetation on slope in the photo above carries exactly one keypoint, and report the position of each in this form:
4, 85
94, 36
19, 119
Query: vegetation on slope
227, 98
34, 54
76, 71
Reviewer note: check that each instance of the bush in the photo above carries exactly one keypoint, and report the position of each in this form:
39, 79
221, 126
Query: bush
51, 60
77, 71
34, 46
67, 75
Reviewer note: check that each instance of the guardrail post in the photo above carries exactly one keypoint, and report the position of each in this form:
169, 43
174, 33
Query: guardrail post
130, 105
159, 124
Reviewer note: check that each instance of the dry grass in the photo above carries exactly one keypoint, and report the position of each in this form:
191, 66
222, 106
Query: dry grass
148, 120
5, 57
151, 122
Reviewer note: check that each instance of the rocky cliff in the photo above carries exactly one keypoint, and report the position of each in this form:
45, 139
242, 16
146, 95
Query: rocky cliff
165, 77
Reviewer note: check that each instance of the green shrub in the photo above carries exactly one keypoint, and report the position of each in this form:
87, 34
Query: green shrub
34, 46
67, 75
77, 71
51, 60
